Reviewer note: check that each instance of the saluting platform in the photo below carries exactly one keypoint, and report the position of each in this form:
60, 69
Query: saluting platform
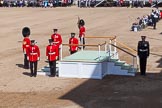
87, 56
84, 64
94, 64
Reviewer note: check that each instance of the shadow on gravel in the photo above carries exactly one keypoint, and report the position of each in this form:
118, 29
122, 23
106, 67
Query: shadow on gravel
159, 63
20, 65
119, 92
26, 73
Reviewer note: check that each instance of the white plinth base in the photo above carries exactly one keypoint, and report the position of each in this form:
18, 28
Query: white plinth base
81, 70
90, 70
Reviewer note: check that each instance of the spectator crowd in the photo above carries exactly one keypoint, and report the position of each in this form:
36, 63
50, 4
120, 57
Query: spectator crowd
35, 3
147, 20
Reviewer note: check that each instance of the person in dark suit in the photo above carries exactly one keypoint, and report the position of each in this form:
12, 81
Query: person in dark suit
143, 53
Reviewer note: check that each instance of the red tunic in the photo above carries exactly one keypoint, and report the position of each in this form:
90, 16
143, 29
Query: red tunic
52, 52
33, 53
82, 31
25, 44
73, 41
57, 38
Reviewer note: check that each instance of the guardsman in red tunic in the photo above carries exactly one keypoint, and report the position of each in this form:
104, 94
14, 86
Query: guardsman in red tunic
57, 39
33, 55
52, 55
82, 32
25, 45
73, 40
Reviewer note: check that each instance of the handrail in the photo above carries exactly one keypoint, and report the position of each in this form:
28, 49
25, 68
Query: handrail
80, 45
85, 44
123, 50
112, 54
125, 46
102, 44
93, 45
134, 56
110, 37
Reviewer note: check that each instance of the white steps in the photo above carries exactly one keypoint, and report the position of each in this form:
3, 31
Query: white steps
46, 70
121, 68
112, 66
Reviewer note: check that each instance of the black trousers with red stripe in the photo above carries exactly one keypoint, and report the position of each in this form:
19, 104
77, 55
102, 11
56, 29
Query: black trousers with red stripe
33, 68
52, 65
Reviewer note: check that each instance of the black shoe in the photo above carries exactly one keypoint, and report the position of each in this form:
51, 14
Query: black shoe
35, 74
143, 74
51, 75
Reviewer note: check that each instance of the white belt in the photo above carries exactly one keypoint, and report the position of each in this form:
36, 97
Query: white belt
143, 50
33, 53
51, 53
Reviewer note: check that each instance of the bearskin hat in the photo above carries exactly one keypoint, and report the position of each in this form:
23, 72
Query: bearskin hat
26, 31
81, 22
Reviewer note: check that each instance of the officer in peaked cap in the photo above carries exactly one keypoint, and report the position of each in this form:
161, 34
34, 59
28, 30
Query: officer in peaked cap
55, 30
57, 38
33, 55
33, 42
143, 53
52, 55
25, 44
72, 34
50, 40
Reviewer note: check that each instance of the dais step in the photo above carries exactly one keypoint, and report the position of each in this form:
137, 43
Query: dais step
126, 66
46, 71
119, 63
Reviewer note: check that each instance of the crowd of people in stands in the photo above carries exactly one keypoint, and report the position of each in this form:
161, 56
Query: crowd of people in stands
86, 3
80, 3
147, 20
35, 3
